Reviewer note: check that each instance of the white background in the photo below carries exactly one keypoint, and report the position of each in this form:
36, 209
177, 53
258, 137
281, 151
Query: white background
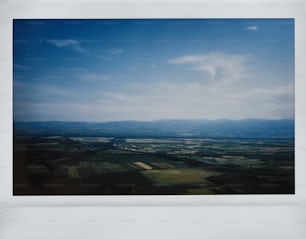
171, 217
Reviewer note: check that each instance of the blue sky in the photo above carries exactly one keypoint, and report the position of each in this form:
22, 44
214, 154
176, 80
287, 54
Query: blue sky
104, 70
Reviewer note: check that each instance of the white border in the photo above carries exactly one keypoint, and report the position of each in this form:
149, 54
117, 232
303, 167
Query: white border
150, 9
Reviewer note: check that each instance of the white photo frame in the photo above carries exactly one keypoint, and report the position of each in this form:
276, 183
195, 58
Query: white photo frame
275, 216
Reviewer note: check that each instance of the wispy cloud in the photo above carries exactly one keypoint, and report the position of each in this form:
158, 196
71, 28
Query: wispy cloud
63, 43
39, 91
196, 100
252, 28
217, 66
281, 95
21, 67
69, 43
111, 53
117, 97
94, 77
115, 51
164, 100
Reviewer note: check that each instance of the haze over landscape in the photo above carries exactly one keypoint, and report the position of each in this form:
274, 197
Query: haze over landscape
114, 70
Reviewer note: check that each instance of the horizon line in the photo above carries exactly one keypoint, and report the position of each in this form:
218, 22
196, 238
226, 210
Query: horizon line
170, 119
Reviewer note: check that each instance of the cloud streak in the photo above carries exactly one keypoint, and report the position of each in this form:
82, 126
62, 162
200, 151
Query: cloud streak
116, 51
199, 100
21, 67
68, 43
252, 28
186, 101
94, 77
217, 66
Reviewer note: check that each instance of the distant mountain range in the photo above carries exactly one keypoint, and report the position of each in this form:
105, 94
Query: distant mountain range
248, 128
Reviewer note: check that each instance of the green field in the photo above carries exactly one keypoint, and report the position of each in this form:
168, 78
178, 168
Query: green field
109, 166
178, 176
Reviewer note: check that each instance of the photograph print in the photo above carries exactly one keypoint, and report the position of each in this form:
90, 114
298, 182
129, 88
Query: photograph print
153, 106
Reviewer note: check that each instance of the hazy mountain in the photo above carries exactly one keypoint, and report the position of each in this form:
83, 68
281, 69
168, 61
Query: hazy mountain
248, 128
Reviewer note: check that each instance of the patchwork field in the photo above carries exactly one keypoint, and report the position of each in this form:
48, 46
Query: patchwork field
102, 166
186, 176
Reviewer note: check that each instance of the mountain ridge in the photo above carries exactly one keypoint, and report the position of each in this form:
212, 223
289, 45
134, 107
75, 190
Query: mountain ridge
176, 128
